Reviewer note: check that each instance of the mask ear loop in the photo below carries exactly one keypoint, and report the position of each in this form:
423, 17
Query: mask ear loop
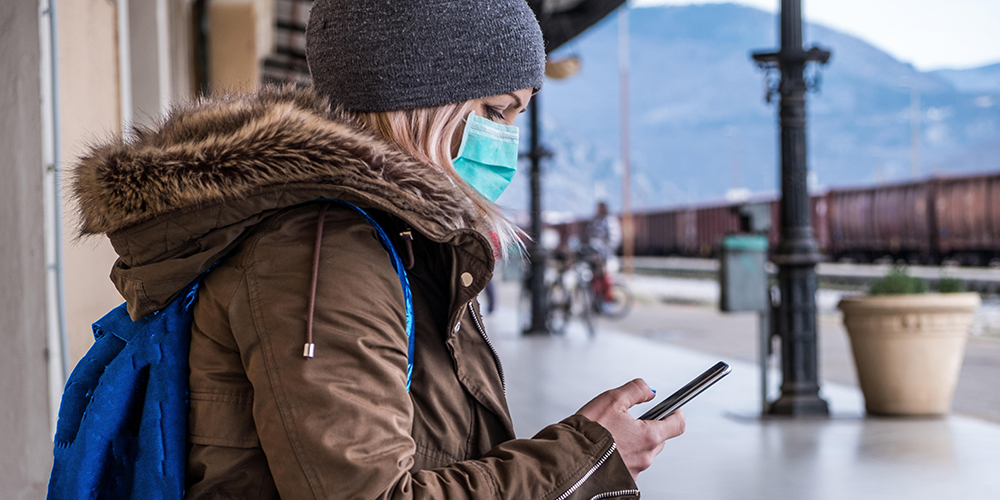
465, 135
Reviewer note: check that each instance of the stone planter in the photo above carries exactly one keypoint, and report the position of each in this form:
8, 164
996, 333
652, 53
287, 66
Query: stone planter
908, 349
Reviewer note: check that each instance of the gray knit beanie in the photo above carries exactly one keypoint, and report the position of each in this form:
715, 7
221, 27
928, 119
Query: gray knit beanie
385, 55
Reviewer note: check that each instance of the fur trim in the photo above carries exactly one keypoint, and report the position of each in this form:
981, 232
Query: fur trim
230, 147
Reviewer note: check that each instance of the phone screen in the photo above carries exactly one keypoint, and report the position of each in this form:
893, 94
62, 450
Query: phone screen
688, 392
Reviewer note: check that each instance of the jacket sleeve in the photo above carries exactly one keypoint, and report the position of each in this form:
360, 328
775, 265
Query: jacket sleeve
338, 425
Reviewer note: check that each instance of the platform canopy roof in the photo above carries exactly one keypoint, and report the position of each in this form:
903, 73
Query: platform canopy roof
563, 20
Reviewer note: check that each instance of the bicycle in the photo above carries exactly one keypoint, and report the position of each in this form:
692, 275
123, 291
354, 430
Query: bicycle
578, 285
571, 295
611, 296
567, 283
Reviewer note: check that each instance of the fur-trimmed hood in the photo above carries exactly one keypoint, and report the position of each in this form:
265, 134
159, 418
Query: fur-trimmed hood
235, 146
176, 197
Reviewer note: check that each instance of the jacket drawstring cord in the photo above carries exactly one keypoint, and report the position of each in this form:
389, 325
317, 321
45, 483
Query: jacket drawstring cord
310, 347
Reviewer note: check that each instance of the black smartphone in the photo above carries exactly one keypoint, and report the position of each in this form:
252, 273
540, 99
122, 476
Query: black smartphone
688, 392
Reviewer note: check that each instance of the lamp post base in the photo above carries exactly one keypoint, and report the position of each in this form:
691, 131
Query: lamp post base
800, 404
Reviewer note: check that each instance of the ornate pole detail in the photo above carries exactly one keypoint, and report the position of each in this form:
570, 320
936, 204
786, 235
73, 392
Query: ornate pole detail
797, 252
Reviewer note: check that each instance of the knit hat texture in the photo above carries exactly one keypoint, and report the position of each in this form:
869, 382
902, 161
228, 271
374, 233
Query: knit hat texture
385, 55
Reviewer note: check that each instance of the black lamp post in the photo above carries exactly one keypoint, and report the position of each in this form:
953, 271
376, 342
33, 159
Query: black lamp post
797, 253
536, 274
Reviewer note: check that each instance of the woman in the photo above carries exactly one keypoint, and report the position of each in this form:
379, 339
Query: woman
410, 122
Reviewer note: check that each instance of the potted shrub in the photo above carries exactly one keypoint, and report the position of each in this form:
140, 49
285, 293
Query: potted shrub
908, 343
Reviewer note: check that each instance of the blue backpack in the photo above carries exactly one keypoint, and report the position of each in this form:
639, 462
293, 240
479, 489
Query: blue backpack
122, 430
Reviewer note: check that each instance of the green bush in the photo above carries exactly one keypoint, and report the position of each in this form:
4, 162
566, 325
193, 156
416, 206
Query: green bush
898, 282
951, 285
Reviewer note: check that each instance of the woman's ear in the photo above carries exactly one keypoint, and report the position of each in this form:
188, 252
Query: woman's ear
456, 138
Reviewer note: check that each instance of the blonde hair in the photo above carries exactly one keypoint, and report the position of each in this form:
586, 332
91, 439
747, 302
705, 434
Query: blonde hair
426, 133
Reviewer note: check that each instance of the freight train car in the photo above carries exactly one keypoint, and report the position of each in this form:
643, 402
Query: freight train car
714, 222
690, 231
881, 222
931, 221
698, 231
668, 232
966, 212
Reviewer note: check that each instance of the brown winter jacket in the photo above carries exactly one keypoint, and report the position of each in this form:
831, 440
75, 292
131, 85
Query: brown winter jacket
234, 182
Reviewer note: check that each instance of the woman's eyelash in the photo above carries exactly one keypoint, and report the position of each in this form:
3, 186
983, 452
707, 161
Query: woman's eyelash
493, 113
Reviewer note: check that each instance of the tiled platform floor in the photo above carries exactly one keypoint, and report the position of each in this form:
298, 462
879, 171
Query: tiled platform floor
730, 453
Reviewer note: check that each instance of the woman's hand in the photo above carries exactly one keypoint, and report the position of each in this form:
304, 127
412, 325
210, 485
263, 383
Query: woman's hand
639, 441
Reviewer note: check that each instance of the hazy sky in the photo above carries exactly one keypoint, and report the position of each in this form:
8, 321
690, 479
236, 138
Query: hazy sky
930, 34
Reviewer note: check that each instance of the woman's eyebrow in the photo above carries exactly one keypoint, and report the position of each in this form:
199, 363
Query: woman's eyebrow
516, 98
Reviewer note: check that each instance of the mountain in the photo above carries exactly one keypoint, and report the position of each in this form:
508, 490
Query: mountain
985, 79
700, 125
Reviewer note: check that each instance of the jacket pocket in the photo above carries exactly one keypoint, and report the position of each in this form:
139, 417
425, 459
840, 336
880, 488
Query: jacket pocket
222, 420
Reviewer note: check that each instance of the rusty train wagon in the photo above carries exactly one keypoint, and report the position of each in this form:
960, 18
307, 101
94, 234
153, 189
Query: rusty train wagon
714, 222
849, 219
666, 232
892, 221
698, 231
946, 218
682, 231
966, 212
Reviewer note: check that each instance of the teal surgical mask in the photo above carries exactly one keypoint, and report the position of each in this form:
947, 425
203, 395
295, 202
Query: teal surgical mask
487, 157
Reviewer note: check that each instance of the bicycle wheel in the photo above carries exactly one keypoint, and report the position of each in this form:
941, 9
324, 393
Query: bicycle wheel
559, 310
620, 303
584, 301
524, 309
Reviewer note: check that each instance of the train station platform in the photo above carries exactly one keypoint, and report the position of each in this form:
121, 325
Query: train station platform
728, 451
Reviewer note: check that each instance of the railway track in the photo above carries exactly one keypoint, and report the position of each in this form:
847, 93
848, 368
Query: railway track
831, 274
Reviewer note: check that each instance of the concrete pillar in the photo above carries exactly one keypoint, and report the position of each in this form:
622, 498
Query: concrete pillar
89, 96
24, 402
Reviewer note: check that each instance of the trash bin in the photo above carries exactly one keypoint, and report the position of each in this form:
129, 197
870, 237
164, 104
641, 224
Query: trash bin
743, 279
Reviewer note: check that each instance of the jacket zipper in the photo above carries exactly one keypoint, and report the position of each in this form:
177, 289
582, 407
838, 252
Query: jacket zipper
600, 462
496, 357
615, 494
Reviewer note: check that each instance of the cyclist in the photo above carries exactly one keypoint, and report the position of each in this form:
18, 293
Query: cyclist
604, 235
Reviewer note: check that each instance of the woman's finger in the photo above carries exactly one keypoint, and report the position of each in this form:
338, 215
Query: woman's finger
669, 427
